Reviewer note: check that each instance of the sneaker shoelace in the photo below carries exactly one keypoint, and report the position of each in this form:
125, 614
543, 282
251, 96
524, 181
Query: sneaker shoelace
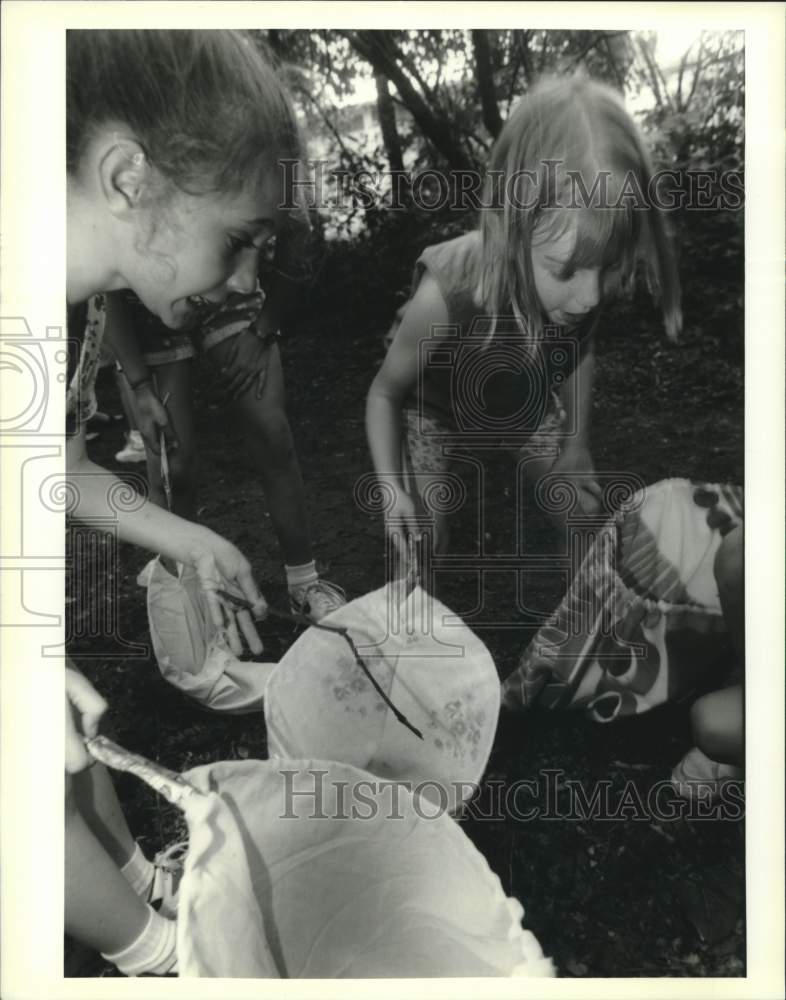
167, 865
329, 597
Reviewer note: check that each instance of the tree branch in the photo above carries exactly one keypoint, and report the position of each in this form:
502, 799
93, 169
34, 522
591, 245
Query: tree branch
696, 72
526, 56
386, 113
484, 76
383, 56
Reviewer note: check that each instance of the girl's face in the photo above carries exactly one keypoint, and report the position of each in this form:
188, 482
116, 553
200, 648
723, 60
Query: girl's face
566, 297
202, 249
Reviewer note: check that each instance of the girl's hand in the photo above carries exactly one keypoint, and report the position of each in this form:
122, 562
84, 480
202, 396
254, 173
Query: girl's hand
221, 566
245, 365
401, 526
152, 418
576, 465
84, 707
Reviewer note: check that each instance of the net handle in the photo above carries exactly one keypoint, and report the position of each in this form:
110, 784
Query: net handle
169, 784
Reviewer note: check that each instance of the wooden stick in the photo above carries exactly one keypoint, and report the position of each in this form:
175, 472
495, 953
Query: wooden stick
165, 480
338, 630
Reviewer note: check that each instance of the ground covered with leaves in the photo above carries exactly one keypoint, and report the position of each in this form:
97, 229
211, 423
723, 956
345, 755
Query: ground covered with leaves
631, 894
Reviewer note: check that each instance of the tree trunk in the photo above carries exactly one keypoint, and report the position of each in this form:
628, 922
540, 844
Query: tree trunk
379, 49
484, 75
386, 113
653, 75
526, 57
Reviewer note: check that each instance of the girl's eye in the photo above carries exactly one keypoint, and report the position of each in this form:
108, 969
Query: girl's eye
236, 244
266, 248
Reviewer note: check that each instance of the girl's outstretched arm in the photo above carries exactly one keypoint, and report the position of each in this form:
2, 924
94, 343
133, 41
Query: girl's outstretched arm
100, 497
396, 379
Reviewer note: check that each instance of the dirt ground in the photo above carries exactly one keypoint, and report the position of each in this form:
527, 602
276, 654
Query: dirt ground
632, 896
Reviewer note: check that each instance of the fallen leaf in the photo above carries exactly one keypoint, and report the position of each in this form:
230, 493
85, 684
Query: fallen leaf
713, 915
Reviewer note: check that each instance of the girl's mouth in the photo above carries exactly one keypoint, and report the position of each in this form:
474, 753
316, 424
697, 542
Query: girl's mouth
202, 308
198, 310
570, 319
200, 302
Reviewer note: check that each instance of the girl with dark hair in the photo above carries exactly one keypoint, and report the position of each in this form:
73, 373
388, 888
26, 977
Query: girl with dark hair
174, 187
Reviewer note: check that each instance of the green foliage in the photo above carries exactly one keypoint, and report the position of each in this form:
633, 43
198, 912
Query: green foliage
695, 125
445, 86
445, 103
696, 120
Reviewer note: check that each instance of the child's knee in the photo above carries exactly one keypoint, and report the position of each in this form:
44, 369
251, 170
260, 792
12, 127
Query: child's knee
729, 564
701, 719
712, 722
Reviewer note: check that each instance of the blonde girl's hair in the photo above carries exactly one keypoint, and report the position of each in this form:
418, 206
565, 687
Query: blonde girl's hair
571, 155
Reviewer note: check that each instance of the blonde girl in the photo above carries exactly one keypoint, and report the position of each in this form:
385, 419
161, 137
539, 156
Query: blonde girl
566, 222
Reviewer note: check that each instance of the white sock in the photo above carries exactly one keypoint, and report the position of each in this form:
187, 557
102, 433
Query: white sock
138, 872
301, 576
154, 950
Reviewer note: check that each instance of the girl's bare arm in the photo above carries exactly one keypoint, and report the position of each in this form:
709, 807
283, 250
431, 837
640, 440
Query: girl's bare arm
398, 377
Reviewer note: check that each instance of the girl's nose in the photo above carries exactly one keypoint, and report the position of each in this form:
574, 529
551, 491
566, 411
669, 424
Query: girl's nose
587, 294
244, 278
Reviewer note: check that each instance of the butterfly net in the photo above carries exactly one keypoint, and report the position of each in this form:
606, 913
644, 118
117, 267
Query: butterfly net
313, 869
642, 622
418, 661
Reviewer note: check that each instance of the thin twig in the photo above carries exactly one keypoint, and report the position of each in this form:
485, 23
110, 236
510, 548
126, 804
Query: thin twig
165, 480
298, 619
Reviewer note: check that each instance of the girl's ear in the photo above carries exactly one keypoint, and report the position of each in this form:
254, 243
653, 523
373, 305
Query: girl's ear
124, 174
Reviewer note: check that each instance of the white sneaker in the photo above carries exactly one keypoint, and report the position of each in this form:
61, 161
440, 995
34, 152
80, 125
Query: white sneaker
698, 776
133, 450
167, 873
316, 600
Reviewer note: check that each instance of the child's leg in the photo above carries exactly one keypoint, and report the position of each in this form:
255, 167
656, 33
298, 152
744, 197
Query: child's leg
264, 423
717, 722
97, 802
176, 380
730, 577
94, 796
268, 434
101, 908
126, 398
718, 718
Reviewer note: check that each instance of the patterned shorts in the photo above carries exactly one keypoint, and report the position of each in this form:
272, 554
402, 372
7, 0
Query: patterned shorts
425, 434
